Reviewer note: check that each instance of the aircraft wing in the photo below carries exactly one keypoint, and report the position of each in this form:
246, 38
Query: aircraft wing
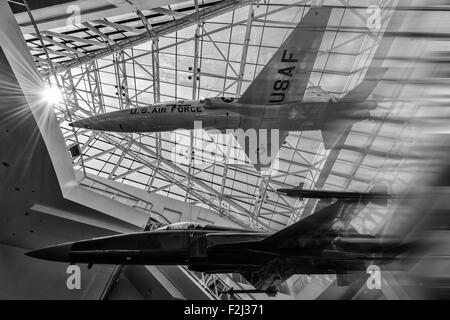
363, 90
285, 77
378, 194
309, 229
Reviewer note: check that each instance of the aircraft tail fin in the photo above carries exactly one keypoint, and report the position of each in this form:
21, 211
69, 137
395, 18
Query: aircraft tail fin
377, 195
286, 76
313, 224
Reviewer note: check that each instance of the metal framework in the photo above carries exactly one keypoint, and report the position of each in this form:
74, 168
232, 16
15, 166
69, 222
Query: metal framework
213, 48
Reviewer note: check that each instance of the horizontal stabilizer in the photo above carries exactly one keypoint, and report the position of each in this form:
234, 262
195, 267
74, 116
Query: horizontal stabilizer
364, 89
377, 195
286, 76
333, 132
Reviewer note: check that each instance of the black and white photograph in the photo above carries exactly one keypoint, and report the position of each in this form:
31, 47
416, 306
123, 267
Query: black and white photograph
226, 156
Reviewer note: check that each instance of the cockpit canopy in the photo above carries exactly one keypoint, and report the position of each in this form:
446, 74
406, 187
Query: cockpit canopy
184, 226
201, 226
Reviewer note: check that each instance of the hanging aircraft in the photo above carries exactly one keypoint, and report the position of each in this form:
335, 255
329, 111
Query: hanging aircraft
322, 243
275, 101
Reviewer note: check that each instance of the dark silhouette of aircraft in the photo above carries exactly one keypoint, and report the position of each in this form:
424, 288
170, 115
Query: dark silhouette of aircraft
322, 243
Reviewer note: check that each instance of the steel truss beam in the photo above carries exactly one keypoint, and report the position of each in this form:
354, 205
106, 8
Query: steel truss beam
121, 80
189, 20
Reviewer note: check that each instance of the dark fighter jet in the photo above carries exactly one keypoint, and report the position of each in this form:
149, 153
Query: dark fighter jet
322, 243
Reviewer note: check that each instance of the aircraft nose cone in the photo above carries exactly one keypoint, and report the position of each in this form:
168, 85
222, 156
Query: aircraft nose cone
102, 122
84, 123
53, 253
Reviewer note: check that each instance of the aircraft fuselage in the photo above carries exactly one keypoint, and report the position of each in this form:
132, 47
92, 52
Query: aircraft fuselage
210, 251
222, 114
